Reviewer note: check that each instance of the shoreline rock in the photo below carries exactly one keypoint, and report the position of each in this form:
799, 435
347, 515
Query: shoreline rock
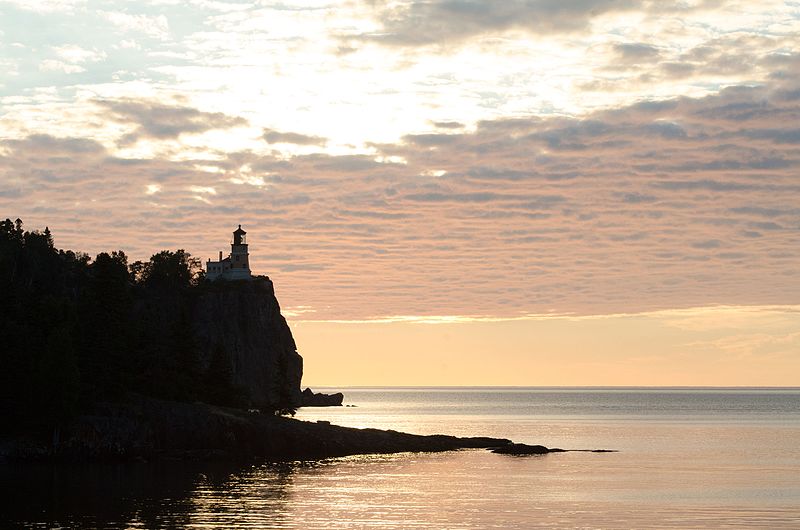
525, 449
310, 399
150, 429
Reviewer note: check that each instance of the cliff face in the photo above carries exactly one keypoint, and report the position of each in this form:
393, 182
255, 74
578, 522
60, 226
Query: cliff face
243, 319
77, 332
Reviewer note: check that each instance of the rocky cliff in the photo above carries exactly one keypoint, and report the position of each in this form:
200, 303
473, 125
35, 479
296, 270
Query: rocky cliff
243, 319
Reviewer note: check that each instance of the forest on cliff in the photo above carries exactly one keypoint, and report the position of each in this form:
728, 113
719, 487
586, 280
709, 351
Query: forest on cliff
75, 330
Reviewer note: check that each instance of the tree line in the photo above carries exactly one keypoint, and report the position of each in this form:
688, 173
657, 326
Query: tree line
76, 330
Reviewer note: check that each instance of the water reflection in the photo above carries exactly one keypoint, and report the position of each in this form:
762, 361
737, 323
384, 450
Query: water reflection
142, 495
258, 497
470, 489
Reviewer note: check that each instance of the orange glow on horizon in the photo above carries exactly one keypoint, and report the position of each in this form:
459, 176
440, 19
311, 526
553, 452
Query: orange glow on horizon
712, 346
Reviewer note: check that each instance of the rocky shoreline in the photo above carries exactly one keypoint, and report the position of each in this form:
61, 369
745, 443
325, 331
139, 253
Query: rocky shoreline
148, 429
308, 398
525, 449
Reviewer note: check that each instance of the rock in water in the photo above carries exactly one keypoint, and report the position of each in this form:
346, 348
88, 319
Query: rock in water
524, 449
310, 399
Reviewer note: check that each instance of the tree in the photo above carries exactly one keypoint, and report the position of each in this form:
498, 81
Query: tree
137, 271
171, 270
104, 315
74, 331
48, 237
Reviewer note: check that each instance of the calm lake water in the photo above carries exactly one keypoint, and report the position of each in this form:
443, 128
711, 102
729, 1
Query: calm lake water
688, 458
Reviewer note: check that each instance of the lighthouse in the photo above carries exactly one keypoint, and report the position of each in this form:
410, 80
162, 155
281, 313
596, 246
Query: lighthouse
237, 265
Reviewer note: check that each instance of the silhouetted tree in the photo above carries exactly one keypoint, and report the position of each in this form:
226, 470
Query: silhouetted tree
171, 270
104, 314
38, 374
136, 271
75, 331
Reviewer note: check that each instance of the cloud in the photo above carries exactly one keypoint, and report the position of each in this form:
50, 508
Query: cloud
430, 140
448, 125
636, 52
666, 130
344, 164
48, 145
277, 137
673, 58
76, 54
760, 211
71, 59
636, 198
766, 225
48, 6
705, 185
153, 26
656, 204
52, 65
707, 244
457, 197
155, 120
415, 23
783, 136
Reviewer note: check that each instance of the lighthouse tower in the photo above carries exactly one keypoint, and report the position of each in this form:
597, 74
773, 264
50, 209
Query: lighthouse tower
237, 265
240, 258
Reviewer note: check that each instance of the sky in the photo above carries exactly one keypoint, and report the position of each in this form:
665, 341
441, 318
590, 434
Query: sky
454, 192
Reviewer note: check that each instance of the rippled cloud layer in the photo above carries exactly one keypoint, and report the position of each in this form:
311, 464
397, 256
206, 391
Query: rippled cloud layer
449, 159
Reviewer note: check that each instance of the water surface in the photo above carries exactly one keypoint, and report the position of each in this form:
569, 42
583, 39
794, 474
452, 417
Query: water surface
689, 458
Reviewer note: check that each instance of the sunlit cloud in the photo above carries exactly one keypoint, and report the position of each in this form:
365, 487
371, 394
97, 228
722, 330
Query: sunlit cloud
203, 190
153, 26
76, 54
48, 6
297, 311
705, 318
51, 65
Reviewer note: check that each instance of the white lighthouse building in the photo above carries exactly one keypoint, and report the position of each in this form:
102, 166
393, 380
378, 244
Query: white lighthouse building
237, 265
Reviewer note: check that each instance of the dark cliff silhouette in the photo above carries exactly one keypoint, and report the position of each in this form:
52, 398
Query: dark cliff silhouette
76, 331
102, 359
